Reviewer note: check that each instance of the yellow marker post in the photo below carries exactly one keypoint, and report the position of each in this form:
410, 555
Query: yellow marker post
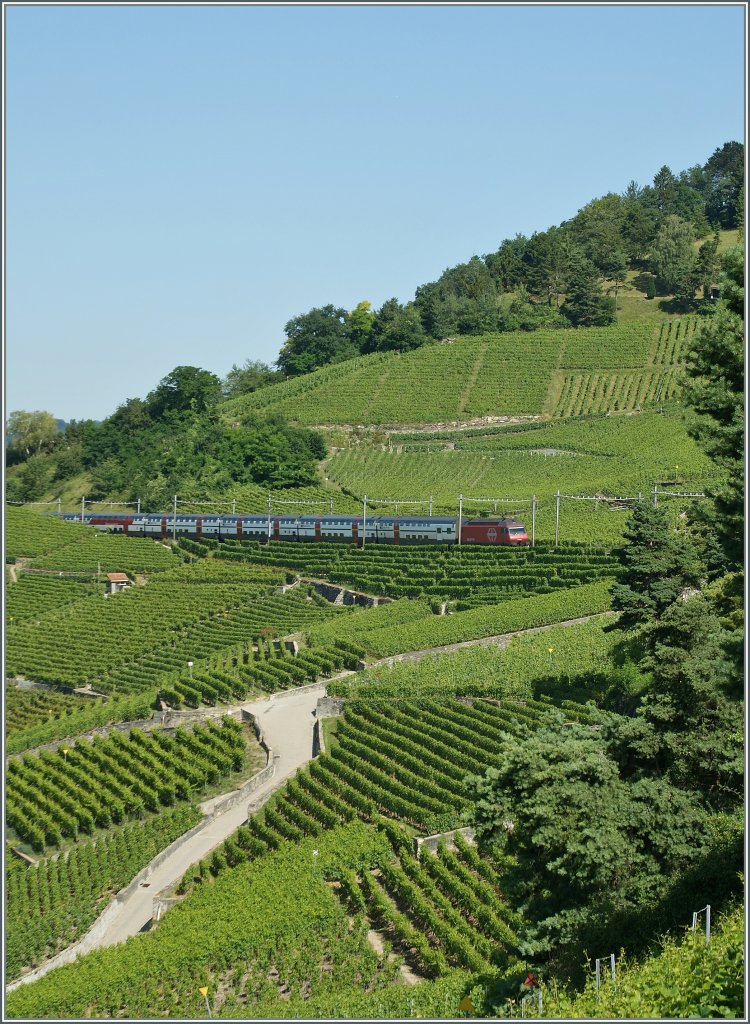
204, 992
466, 1005
65, 753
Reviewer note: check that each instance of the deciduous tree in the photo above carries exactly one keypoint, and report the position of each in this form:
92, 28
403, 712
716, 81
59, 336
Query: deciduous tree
315, 339
672, 254
30, 432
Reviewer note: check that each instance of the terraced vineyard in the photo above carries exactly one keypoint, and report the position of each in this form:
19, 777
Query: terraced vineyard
516, 373
256, 666
252, 499
610, 456
126, 643
593, 392
103, 552
35, 595
454, 897
25, 708
561, 663
29, 534
403, 759
91, 785
51, 905
465, 575
322, 905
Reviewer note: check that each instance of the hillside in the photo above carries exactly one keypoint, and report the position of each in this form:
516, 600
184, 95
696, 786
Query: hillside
542, 373
511, 757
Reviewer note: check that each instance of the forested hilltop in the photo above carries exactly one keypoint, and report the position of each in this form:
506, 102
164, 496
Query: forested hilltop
657, 242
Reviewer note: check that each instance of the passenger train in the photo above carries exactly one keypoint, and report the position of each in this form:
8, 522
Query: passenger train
375, 530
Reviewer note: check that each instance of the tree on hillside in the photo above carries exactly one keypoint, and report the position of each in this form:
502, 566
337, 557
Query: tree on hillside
673, 256
551, 258
639, 222
186, 388
724, 176
665, 189
464, 300
677, 196
507, 265
741, 215
396, 328
614, 266
707, 264
598, 230
245, 379
658, 565
359, 324
315, 339
34, 478
585, 304
30, 432
585, 842
716, 393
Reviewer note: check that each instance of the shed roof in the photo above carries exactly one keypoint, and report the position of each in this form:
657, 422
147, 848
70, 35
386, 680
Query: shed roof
118, 577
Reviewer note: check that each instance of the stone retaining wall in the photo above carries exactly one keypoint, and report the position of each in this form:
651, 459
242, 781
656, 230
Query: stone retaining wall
329, 707
222, 803
432, 842
87, 943
162, 904
342, 595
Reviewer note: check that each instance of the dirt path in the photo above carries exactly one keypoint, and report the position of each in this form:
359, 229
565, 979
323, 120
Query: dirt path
421, 428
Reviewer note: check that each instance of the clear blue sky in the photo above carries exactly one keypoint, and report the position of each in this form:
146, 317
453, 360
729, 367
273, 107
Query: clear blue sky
181, 181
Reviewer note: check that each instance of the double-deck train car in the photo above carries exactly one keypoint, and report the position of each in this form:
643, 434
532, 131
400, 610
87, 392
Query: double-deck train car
264, 528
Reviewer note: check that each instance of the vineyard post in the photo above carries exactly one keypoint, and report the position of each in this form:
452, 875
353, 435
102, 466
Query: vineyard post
654, 495
557, 517
234, 505
83, 507
460, 514
598, 972
364, 518
331, 503
430, 504
269, 517
58, 505
138, 510
707, 909
174, 520
533, 519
